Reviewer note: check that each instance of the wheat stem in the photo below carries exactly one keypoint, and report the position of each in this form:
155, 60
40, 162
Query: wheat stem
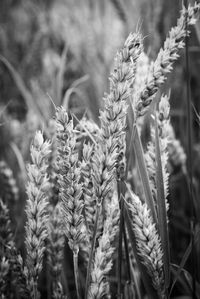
76, 274
120, 241
98, 207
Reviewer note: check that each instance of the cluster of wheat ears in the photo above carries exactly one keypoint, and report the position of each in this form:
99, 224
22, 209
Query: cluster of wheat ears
100, 188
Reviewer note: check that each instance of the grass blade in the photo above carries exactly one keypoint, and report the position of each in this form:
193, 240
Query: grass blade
30, 102
143, 173
183, 261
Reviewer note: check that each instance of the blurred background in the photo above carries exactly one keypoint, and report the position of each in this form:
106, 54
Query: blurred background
60, 52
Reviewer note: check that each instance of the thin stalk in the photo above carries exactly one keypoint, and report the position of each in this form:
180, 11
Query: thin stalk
121, 226
127, 254
35, 291
76, 275
92, 250
190, 164
48, 278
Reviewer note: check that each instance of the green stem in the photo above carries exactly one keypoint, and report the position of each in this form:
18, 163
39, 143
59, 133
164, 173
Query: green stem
92, 250
127, 254
121, 191
35, 291
76, 275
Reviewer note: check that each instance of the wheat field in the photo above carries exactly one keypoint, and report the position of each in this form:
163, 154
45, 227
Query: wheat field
88, 211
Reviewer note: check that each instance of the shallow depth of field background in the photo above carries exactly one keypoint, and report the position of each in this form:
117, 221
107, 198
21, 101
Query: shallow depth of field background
61, 52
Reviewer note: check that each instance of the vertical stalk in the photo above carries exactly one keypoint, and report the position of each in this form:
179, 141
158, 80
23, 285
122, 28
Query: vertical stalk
190, 164
121, 230
76, 275
127, 254
35, 291
92, 250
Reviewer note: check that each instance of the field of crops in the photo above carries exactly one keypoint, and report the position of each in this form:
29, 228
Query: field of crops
99, 149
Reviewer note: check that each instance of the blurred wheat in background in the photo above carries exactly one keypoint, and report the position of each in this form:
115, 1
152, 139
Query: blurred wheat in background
99, 149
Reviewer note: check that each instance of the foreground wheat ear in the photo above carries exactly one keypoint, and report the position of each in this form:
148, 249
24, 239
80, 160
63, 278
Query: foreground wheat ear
37, 210
163, 64
147, 241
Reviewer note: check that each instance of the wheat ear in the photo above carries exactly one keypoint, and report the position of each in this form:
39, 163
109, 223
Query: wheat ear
148, 242
103, 258
165, 59
37, 209
56, 243
70, 188
113, 117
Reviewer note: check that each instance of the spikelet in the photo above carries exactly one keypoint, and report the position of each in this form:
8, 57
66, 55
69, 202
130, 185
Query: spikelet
103, 258
113, 117
37, 209
148, 242
103, 174
56, 243
9, 190
142, 69
69, 175
165, 59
